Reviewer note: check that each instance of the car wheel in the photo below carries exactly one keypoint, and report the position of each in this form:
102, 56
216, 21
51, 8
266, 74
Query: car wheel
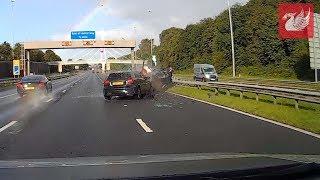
108, 98
152, 93
138, 95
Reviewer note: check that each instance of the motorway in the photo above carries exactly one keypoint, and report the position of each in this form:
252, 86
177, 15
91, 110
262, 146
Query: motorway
76, 121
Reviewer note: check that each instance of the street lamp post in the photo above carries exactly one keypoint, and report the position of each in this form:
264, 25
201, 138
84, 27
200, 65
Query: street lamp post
151, 41
12, 23
135, 38
12, 30
232, 42
12, 16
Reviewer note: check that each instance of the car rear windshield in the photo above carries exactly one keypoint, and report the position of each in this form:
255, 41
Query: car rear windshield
119, 76
32, 79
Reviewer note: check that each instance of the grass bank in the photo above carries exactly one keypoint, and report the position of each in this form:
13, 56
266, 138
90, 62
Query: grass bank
307, 117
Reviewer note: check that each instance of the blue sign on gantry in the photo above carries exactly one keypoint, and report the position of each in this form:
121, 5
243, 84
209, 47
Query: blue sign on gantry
83, 35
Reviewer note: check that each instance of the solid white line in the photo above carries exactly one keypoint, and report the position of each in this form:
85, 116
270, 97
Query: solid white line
144, 126
254, 116
8, 95
99, 77
7, 126
49, 100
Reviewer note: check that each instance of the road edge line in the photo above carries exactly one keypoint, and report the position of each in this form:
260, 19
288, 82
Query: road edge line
251, 115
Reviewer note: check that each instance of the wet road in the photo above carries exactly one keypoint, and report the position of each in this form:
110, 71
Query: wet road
80, 123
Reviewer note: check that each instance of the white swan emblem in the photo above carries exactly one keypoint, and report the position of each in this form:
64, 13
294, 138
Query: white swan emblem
297, 23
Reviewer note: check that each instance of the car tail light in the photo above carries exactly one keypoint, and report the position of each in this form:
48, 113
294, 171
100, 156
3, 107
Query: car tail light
42, 84
19, 85
106, 83
130, 81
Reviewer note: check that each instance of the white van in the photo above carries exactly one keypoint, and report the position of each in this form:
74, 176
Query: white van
205, 72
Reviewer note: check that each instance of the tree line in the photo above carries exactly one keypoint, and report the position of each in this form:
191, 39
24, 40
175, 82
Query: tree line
7, 53
258, 49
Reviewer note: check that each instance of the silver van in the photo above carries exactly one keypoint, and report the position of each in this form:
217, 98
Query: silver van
205, 72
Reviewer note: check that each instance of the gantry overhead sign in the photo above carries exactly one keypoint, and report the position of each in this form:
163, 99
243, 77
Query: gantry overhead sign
83, 35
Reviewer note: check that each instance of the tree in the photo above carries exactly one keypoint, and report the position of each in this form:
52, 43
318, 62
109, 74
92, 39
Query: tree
5, 52
37, 56
258, 50
168, 50
17, 51
49, 56
144, 51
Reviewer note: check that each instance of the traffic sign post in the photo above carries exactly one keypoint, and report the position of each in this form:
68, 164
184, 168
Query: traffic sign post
16, 67
314, 46
83, 35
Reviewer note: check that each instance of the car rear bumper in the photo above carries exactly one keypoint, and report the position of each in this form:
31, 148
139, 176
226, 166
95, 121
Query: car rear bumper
26, 92
212, 79
119, 91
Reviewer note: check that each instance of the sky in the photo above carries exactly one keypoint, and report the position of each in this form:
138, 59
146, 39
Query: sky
32, 20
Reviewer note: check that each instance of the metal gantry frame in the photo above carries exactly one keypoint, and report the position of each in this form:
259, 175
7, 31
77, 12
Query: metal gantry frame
91, 44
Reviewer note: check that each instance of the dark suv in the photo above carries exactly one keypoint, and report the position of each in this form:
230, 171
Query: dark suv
126, 83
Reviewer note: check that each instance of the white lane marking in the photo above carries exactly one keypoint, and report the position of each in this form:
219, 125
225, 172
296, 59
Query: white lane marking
254, 116
49, 100
144, 126
8, 95
7, 126
99, 78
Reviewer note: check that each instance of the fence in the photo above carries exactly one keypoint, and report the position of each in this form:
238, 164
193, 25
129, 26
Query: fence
35, 67
296, 95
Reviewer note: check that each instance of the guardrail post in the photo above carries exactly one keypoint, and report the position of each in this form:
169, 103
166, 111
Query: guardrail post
241, 95
257, 97
228, 92
296, 104
274, 100
216, 91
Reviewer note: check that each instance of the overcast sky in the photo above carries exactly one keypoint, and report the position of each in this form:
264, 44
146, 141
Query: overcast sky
55, 19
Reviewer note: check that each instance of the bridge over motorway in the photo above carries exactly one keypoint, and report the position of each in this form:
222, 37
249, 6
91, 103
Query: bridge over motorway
28, 46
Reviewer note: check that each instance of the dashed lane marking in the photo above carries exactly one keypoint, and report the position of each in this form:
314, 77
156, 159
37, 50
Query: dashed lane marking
8, 95
144, 126
7, 126
49, 100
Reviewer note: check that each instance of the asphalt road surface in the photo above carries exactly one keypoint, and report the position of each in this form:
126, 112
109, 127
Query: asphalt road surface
77, 122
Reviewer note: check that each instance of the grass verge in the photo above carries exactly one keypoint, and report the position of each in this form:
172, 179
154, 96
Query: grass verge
307, 118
